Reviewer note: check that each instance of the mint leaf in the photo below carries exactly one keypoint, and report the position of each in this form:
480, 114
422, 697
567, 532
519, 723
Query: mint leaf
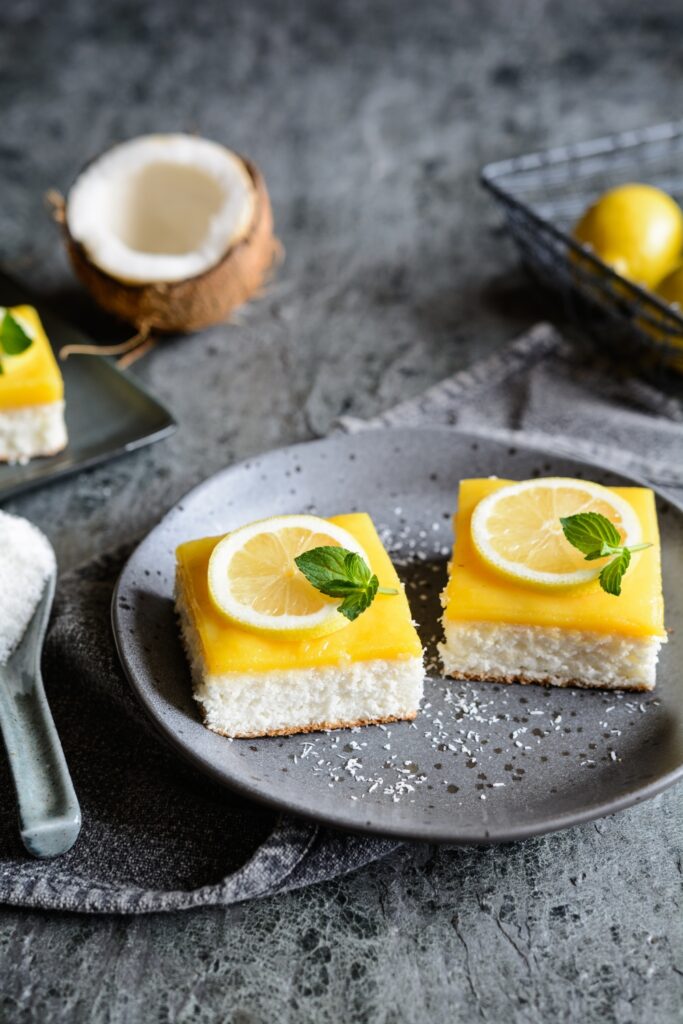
13, 338
610, 577
355, 604
323, 566
358, 569
589, 531
337, 572
597, 537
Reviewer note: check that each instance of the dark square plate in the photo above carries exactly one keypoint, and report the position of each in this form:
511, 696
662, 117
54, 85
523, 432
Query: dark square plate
107, 412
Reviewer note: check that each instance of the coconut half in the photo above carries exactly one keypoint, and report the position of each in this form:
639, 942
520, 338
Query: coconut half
170, 232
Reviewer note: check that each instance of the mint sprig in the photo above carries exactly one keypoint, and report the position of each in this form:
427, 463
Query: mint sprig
13, 338
597, 537
337, 572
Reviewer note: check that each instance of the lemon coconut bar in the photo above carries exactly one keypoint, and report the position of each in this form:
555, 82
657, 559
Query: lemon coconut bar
500, 630
249, 684
31, 396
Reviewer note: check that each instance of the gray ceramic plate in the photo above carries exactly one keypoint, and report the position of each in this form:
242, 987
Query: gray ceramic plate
481, 762
107, 412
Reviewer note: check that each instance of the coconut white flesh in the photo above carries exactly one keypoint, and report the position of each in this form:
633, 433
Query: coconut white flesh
161, 208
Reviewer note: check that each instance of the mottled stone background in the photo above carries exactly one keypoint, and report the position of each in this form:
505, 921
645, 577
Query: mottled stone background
370, 122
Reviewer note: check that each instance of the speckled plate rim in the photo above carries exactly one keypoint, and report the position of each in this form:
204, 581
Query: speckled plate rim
340, 821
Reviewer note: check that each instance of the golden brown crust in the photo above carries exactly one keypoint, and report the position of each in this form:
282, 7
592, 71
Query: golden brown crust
541, 681
318, 727
200, 301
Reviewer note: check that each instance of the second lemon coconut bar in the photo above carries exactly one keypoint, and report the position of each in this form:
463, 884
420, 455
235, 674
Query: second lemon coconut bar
523, 605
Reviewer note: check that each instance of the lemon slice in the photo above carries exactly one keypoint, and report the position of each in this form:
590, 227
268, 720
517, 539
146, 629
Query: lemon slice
517, 529
254, 580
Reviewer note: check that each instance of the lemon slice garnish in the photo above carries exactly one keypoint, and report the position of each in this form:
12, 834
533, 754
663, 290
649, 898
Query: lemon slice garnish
517, 531
254, 581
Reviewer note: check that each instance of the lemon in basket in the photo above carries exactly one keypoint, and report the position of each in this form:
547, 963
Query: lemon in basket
670, 289
636, 229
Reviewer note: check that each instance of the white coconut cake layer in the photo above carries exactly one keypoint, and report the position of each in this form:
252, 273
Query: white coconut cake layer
279, 702
32, 430
502, 653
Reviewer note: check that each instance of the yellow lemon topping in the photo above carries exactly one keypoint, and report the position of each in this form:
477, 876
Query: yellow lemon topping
32, 378
385, 631
477, 592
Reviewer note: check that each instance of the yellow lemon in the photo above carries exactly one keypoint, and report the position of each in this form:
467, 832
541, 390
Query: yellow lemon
636, 229
671, 291
671, 287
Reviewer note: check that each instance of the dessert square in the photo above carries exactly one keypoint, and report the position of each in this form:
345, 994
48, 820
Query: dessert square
499, 630
248, 684
31, 397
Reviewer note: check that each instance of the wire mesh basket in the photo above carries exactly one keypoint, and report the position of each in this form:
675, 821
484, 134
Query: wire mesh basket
542, 196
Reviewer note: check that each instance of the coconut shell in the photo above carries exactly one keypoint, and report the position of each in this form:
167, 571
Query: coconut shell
209, 298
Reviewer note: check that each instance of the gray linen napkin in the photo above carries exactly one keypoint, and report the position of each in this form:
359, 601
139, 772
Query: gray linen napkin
158, 836
542, 391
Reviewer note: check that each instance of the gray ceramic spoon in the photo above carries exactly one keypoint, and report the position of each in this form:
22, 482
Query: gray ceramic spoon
49, 815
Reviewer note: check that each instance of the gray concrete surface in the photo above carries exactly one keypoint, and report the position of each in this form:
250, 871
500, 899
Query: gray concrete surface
370, 122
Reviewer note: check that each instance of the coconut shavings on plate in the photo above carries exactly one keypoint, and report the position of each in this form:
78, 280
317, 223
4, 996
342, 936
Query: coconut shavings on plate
26, 562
